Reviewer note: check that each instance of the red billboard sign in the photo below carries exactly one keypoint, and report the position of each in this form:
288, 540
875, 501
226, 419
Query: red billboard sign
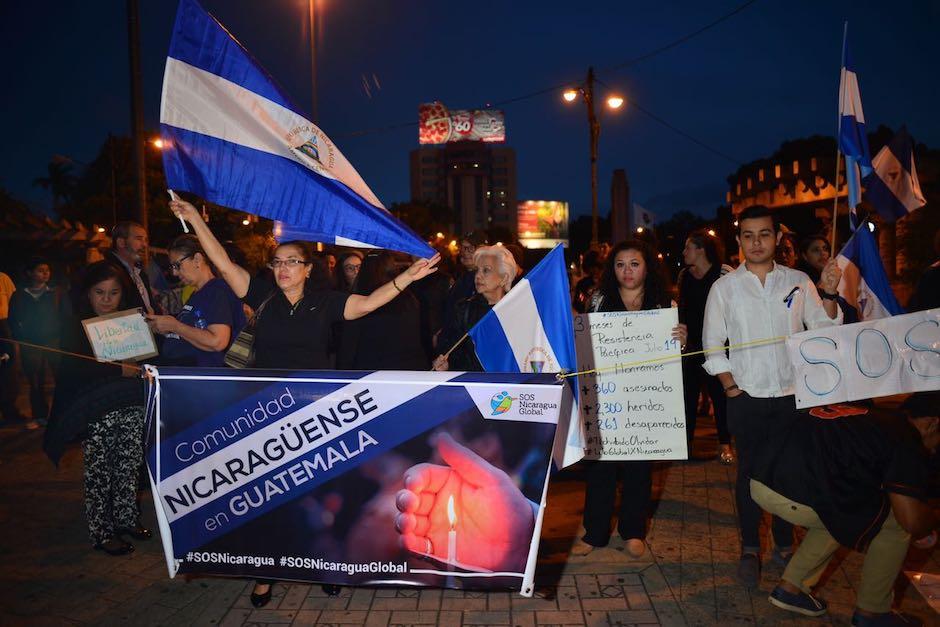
438, 125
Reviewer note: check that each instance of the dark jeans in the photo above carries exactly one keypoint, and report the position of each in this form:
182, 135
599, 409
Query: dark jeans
752, 421
601, 492
693, 376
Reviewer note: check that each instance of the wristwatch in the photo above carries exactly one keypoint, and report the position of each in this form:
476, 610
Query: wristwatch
827, 296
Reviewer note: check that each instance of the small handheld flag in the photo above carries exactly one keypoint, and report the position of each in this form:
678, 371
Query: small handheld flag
894, 190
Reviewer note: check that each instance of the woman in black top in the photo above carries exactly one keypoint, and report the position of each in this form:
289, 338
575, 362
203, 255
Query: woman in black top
633, 280
293, 323
94, 400
390, 337
814, 254
496, 269
702, 257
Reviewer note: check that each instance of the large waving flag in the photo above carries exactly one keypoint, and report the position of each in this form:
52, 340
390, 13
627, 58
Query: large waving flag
853, 143
531, 330
236, 139
864, 284
894, 189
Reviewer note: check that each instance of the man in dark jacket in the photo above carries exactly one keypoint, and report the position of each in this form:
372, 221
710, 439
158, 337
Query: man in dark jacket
128, 249
853, 476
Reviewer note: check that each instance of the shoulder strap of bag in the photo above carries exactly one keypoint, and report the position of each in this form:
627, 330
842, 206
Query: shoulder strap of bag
254, 317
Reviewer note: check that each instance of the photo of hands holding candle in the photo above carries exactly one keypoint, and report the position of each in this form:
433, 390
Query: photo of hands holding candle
467, 513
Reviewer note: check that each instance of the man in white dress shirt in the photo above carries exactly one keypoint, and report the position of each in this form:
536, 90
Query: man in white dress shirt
761, 300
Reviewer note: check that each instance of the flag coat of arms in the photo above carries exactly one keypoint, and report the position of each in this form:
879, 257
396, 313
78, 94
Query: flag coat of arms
894, 190
234, 138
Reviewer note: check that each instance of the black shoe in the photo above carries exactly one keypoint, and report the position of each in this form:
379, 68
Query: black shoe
749, 570
260, 600
115, 546
331, 589
138, 532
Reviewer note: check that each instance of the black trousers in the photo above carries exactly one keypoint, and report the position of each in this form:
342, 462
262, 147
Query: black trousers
693, 376
753, 420
601, 492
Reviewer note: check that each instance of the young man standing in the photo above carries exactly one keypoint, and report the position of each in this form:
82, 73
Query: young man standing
760, 301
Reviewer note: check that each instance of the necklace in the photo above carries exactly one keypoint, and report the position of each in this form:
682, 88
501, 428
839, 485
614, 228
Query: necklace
295, 306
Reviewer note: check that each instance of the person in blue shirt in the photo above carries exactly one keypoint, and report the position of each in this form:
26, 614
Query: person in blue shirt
201, 333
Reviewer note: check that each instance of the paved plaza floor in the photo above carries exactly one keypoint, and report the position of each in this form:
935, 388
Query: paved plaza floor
50, 575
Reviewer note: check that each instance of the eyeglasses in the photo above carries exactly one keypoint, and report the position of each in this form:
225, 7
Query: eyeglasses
288, 263
175, 266
350, 266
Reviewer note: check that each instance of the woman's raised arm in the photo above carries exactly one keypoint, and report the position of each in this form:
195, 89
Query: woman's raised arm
236, 276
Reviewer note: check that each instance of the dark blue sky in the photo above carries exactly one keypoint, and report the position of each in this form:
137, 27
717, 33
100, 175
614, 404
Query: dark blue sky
765, 75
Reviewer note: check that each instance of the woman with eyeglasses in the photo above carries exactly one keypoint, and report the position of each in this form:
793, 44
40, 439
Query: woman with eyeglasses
293, 321
205, 327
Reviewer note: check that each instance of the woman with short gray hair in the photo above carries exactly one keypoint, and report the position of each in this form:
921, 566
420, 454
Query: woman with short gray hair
495, 271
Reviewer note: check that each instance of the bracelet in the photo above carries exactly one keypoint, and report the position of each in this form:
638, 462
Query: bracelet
733, 386
396, 284
827, 296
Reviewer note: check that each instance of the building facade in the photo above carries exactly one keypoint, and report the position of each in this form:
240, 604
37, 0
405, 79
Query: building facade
475, 179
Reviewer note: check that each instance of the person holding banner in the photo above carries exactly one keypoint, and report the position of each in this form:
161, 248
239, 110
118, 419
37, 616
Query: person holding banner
104, 402
496, 269
633, 280
203, 330
293, 324
761, 302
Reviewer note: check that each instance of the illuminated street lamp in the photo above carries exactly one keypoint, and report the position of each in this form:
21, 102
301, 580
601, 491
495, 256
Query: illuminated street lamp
614, 102
158, 143
711, 232
639, 230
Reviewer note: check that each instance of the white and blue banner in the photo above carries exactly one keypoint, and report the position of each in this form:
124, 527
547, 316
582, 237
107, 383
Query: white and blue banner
851, 362
864, 284
233, 137
853, 141
403, 478
531, 330
894, 190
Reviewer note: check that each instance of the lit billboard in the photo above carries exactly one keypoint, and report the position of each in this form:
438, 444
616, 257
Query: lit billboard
438, 125
543, 223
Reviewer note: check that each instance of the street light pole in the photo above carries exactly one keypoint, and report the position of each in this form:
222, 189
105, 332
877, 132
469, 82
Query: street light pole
313, 58
594, 128
137, 110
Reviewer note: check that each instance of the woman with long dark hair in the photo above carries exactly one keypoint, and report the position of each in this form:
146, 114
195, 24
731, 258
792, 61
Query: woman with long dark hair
703, 257
104, 403
633, 280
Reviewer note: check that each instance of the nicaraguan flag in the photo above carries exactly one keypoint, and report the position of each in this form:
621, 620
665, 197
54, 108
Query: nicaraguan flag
864, 284
853, 142
234, 138
894, 189
531, 330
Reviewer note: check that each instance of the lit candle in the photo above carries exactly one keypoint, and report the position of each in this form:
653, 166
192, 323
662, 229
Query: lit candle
452, 534
451, 539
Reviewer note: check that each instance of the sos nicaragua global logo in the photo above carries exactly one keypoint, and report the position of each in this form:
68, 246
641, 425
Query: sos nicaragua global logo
501, 403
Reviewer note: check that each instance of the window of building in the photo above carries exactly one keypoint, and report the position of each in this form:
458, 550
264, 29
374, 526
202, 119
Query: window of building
750, 183
428, 159
812, 164
777, 171
739, 189
428, 183
501, 182
796, 167
428, 171
760, 175
503, 171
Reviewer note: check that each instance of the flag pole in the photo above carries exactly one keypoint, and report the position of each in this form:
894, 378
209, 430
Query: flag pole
835, 200
456, 344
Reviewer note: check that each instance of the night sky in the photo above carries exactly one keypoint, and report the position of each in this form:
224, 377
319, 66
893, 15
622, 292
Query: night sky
767, 74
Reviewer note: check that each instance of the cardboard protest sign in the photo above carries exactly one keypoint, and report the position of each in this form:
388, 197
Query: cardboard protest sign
121, 336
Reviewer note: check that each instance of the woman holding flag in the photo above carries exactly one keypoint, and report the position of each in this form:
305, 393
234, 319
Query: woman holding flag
293, 322
633, 280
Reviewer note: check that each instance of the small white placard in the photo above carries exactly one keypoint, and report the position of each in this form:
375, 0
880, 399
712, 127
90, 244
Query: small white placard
123, 335
631, 410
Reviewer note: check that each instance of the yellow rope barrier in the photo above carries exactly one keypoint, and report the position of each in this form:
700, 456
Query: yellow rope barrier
70, 354
632, 364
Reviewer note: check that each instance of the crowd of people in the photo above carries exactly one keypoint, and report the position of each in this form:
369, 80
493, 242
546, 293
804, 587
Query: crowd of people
382, 310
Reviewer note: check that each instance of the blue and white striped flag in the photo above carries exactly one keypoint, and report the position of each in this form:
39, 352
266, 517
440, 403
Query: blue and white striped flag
894, 190
234, 138
864, 284
531, 330
853, 141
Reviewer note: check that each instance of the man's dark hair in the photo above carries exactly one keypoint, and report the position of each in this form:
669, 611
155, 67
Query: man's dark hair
759, 211
122, 230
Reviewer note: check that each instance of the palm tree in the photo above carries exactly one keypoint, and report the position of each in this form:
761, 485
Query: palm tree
60, 181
